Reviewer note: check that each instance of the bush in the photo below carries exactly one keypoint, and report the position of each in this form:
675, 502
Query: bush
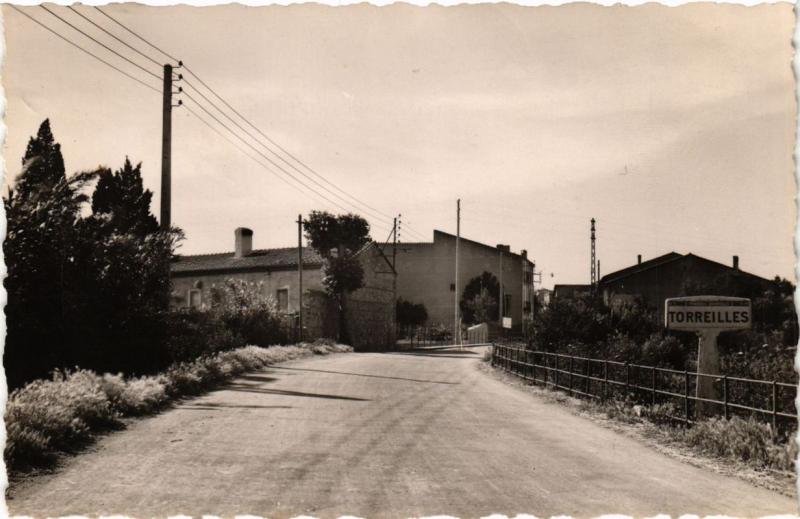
242, 307
742, 439
194, 334
57, 414
50, 416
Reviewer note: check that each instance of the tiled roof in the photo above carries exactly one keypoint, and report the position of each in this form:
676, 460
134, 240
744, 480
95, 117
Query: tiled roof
257, 260
639, 267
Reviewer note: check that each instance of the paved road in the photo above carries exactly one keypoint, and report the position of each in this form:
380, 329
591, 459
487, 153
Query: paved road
380, 435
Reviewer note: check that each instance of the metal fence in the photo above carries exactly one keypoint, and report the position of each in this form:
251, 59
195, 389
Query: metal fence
414, 336
603, 379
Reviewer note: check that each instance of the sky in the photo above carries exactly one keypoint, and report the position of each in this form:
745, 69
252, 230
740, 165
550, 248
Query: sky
674, 127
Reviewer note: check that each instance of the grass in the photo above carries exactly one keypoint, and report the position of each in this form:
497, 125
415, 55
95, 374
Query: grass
747, 441
49, 417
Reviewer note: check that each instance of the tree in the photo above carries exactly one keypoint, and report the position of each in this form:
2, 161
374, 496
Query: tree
120, 197
411, 314
89, 291
337, 239
483, 307
486, 289
125, 283
41, 212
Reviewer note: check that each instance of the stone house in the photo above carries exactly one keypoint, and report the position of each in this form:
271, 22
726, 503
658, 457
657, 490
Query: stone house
275, 272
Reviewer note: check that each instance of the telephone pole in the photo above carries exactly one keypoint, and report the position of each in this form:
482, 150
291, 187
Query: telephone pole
456, 325
166, 150
394, 245
300, 277
593, 276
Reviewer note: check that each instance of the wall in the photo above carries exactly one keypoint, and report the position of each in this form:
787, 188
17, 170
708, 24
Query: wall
271, 282
426, 271
663, 281
370, 310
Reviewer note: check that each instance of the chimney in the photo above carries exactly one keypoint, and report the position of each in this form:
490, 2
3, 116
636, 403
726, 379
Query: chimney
524, 254
244, 242
638, 259
736, 262
504, 248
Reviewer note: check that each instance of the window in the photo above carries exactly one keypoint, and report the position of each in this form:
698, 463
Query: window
195, 298
507, 305
283, 299
452, 287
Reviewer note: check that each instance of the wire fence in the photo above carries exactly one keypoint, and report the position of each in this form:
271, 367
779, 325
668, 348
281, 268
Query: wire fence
604, 379
414, 336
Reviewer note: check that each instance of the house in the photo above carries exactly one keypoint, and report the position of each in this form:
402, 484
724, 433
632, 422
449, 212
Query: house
370, 311
673, 275
562, 292
426, 274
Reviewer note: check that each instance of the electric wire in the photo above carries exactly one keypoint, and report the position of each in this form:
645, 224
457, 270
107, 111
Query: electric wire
264, 135
173, 58
142, 54
101, 43
95, 56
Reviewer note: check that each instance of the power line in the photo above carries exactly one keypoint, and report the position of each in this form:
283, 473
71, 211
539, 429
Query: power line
142, 54
95, 56
249, 145
376, 212
270, 150
135, 34
271, 141
101, 43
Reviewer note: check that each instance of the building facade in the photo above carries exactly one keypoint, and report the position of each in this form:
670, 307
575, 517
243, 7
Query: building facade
275, 273
671, 275
426, 274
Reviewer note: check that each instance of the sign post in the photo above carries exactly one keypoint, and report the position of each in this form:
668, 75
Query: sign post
708, 316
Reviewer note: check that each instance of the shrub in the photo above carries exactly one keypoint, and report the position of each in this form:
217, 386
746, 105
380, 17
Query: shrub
57, 414
194, 334
241, 306
48, 416
742, 439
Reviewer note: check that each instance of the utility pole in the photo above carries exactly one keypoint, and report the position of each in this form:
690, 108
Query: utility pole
166, 150
593, 275
300, 277
456, 325
394, 246
502, 295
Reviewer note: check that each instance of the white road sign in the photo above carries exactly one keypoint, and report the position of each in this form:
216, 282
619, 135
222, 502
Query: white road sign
697, 313
506, 322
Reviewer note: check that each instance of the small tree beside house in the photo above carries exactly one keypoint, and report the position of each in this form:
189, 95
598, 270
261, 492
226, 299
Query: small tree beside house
337, 238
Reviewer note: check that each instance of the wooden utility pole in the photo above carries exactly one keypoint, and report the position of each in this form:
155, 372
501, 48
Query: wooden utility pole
456, 325
166, 150
394, 246
502, 295
300, 277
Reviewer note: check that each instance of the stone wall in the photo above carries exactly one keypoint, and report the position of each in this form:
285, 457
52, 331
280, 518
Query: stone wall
370, 310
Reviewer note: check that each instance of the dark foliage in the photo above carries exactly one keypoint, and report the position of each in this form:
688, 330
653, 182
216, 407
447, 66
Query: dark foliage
411, 314
89, 291
478, 295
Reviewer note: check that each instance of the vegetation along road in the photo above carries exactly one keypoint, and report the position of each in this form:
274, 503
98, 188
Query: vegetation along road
379, 435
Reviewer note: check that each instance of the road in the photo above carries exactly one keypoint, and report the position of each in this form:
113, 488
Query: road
379, 435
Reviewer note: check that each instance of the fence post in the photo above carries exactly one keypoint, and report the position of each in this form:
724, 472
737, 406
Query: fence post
725, 394
686, 395
627, 378
570, 374
774, 407
653, 385
546, 367
587, 370
556, 370
605, 379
